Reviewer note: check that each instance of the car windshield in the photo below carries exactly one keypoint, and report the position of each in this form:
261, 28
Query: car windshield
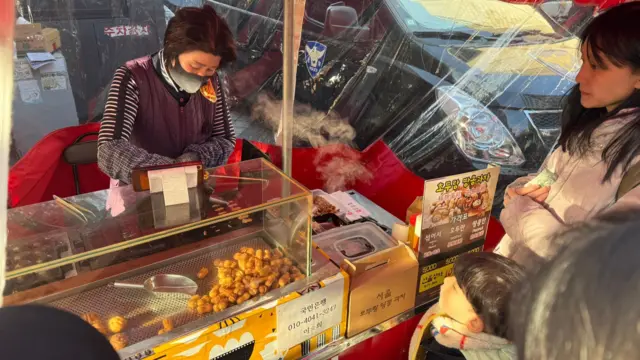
478, 21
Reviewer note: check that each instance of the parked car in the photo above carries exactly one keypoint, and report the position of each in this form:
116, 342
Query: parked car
450, 86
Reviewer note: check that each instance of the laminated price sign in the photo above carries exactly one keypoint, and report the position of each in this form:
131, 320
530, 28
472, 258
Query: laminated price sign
310, 314
456, 211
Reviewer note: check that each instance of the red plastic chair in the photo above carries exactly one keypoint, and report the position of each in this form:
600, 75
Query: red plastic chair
43, 172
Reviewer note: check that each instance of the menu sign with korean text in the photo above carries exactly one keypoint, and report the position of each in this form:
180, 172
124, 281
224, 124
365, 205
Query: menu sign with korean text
456, 210
309, 315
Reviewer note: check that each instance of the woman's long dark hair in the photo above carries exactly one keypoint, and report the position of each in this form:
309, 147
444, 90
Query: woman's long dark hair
615, 35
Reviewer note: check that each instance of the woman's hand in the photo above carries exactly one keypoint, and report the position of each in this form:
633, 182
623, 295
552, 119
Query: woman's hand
535, 192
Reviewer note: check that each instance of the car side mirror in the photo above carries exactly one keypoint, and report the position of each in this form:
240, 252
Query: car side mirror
340, 19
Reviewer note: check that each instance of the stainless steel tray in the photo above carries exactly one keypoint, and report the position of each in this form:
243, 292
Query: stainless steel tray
373, 235
144, 311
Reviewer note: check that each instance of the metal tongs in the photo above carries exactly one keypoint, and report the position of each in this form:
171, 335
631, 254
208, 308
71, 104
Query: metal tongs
75, 209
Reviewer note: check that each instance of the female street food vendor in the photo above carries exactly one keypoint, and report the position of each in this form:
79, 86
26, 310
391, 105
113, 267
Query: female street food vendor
170, 106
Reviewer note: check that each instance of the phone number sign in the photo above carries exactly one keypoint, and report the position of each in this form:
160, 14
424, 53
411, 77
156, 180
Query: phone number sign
310, 314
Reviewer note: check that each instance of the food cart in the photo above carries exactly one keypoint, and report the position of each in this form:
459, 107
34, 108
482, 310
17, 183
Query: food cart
264, 290
248, 250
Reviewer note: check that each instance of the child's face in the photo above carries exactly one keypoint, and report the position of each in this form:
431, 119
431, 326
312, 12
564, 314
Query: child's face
454, 303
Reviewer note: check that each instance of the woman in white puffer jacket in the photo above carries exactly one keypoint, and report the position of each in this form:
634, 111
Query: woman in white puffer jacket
600, 141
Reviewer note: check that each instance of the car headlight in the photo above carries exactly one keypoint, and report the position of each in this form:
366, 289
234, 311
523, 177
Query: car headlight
477, 131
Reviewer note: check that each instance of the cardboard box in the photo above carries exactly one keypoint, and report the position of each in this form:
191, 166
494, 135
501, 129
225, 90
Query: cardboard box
23, 31
33, 38
383, 285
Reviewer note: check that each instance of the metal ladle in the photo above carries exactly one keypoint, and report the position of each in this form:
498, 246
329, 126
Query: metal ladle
164, 283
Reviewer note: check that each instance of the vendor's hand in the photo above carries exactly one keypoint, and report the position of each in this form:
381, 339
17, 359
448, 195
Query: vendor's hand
188, 157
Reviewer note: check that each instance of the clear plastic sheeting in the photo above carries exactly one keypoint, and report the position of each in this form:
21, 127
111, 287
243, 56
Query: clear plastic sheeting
503, 105
448, 85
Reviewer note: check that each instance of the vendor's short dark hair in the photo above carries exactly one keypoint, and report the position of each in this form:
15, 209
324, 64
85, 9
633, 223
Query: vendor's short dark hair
200, 29
487, 280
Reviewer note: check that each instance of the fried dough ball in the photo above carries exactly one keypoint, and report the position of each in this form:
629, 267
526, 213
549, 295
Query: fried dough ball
117, 324
271, 280
167, 325
284, 280
266, 270
205, 308
220, 306
243, 298
226, 292
226, 281
119, 341
276, 263
203, 273
262, 289
239, 291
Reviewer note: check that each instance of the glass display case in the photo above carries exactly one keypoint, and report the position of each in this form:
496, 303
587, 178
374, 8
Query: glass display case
243, 213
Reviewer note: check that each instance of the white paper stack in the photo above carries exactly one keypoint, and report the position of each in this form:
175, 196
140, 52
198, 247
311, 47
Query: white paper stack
40, 59
174, 183
174, 187
354, 210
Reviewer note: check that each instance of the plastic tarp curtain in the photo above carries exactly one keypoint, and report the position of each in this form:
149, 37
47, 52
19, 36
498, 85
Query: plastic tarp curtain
482, 85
